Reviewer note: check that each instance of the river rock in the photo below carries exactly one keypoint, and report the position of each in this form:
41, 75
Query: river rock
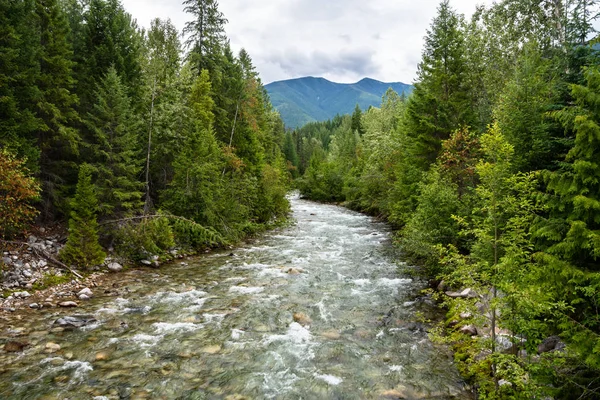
86, 292
68, 304
22, 295
102, 356
214, 349
332, 335
34, 305
14, 346
469, 330
84, 297
74, 321
302, 319
52, 347
114, 267
393, 394
146, 262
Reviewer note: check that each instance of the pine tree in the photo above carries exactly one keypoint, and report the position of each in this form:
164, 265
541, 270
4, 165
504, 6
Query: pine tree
82, 248
114, 148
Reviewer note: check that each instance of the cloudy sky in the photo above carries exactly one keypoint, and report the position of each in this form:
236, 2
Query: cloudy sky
341, 40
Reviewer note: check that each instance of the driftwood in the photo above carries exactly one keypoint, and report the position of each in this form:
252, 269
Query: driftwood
43, 254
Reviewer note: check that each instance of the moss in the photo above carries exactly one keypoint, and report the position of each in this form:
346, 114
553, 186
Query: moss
50, 280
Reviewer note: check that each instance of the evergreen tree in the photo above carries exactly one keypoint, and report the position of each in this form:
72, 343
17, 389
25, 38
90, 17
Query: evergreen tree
206, 33
357, 121
440, 102
163, 101
291, 155
19, 71
114, 148
82, 248
57, 139
109, 38
194, 190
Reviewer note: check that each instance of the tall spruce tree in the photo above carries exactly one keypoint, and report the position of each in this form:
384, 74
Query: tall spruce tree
114, 148
440, 102
206, 33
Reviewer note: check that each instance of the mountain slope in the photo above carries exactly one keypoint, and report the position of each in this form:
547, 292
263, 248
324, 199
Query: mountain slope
310, 99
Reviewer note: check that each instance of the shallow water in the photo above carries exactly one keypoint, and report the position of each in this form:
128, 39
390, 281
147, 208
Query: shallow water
231, 325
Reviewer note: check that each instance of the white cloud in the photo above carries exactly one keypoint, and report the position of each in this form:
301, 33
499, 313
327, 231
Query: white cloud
343, 41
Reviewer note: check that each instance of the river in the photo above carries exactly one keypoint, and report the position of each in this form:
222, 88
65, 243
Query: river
317, 310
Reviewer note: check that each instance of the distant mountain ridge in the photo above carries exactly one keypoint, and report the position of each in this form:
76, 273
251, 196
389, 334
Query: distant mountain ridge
310, 99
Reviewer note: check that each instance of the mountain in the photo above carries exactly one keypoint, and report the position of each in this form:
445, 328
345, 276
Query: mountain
310, 99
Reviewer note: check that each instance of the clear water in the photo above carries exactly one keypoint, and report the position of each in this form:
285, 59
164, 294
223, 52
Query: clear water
223, 327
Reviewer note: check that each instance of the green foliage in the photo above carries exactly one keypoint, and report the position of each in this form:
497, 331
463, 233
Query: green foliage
82, 248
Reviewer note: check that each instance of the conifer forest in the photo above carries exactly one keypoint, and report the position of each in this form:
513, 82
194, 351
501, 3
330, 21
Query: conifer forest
134, 142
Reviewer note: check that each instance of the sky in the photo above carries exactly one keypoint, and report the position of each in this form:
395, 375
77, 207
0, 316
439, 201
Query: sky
340, 40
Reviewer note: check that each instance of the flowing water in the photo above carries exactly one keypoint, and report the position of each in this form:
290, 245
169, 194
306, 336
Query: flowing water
317, 310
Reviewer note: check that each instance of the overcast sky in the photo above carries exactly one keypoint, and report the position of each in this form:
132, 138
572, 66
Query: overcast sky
341, 40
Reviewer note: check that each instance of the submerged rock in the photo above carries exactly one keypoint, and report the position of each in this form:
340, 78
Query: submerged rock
52, 347
74, 321
15, 347
214, 349
302, 319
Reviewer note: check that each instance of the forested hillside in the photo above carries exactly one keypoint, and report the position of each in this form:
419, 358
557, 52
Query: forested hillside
489, 171
141, 141
304, 100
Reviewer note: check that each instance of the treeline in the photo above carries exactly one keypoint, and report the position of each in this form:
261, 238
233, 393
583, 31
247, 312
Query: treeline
182, 133
490, 171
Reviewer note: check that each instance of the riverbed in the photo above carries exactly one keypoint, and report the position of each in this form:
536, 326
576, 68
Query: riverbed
321, 309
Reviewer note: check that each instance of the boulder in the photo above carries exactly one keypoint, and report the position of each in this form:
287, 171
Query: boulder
146, 262
550, 344
469, 330
114, 267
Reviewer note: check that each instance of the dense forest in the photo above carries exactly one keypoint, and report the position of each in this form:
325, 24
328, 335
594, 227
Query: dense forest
143, 142
490, 173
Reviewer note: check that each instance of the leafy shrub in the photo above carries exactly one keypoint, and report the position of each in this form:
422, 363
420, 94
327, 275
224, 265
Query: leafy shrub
17, 192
